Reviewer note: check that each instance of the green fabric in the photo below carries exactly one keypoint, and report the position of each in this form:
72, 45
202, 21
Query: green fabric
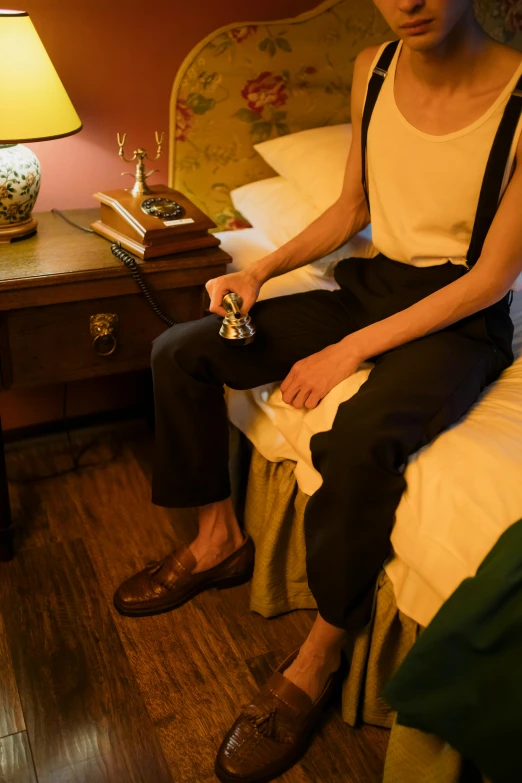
462, 680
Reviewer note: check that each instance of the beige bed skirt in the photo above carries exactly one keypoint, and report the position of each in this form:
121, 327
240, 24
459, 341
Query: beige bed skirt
273, 513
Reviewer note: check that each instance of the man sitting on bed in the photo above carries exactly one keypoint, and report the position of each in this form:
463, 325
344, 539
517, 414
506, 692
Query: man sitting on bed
436, 330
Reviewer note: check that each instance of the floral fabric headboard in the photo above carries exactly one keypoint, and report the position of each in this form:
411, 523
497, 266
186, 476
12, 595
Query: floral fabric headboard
249, 82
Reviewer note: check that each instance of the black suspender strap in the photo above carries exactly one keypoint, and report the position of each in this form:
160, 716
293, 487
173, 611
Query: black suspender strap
494, 174
374, 87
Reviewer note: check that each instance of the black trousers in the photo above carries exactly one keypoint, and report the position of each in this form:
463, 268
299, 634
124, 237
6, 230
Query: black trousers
413, 393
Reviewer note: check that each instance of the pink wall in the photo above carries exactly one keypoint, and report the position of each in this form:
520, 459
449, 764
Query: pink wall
117, 62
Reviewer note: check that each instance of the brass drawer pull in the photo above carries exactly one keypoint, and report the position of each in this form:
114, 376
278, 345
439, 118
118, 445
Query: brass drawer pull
103, 328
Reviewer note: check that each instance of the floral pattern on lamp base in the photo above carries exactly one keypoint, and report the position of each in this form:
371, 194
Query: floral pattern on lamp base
19, 184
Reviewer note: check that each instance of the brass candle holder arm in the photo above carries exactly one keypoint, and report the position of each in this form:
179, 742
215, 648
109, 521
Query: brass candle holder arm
140, 155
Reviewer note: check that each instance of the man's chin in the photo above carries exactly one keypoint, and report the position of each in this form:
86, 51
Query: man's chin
420, 43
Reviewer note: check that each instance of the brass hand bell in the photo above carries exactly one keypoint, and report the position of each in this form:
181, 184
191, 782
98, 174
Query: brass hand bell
237, 328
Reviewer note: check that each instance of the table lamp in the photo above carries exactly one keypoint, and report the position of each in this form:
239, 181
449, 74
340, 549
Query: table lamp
33, 107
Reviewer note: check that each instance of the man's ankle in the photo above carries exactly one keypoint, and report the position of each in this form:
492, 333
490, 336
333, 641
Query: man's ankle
221, 539
317, 655
214, 549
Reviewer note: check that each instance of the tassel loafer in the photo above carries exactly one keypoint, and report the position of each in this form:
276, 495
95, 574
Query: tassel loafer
273, 731
169, 583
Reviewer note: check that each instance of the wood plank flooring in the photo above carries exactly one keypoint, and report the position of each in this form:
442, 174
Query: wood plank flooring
88, 696
16, 763
11, 716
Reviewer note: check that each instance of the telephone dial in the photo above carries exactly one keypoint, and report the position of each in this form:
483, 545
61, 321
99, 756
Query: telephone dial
162, 208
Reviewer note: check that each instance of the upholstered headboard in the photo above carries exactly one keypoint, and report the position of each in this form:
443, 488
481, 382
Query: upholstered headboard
248, 82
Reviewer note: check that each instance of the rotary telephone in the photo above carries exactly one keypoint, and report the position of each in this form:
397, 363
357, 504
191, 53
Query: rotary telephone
150, 221
155, 222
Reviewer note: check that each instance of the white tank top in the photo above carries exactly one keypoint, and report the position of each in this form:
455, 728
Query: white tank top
424, 189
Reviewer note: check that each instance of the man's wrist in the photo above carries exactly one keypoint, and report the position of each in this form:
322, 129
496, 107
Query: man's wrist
259, 272
271, 265
256, 275
351, 347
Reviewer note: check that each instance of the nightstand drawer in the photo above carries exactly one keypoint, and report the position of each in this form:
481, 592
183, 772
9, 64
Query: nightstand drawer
54, 343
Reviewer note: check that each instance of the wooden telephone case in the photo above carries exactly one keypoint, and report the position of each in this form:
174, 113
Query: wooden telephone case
148, 236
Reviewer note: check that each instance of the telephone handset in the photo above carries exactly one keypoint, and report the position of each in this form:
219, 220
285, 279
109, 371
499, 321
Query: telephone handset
236, 327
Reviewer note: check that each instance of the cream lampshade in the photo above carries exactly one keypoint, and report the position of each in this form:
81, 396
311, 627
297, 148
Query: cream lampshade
33, 107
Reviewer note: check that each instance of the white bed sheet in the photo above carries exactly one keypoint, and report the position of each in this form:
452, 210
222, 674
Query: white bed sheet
464, 489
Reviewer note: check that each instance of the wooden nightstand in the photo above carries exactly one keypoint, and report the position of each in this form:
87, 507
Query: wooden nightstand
51, 285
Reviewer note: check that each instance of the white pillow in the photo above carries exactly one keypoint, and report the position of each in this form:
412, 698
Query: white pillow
277, 209
313, 161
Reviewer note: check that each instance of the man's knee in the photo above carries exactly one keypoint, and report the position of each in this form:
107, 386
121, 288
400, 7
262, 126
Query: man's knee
185, 345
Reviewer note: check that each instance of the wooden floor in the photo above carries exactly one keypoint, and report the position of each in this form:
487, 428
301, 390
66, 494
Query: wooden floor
88, 696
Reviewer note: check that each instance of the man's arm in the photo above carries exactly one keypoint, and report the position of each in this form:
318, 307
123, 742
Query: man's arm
333, 228
489, 280
347, 216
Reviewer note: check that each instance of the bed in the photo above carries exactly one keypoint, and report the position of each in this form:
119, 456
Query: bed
249, 104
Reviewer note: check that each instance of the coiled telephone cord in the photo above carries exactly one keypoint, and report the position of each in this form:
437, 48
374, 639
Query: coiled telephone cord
132, 265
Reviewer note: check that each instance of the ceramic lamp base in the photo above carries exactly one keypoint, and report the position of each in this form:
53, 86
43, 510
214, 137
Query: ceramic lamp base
19, 186
25, 228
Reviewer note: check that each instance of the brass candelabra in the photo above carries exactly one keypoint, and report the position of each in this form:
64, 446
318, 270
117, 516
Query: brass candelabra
140, 155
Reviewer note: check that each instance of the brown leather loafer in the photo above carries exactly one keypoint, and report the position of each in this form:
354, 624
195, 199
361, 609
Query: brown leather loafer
273, 731
169, 583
